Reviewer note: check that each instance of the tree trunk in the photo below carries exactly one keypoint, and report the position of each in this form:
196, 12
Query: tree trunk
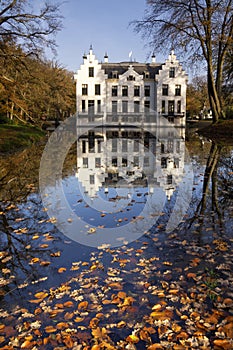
214, 97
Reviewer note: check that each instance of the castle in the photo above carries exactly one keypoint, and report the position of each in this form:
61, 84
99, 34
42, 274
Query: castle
124, 92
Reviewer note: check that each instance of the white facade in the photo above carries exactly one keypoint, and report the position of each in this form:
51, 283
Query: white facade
131, 91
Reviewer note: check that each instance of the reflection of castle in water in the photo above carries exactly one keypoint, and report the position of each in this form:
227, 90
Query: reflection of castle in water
126, 157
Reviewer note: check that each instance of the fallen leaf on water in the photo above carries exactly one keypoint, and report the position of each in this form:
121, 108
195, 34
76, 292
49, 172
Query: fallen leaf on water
155, 347
99, 333
41, 295
132, 338
83, 305
223, 343
50, 329
61, 270
68, 304
45, 263
27, 344
91, 230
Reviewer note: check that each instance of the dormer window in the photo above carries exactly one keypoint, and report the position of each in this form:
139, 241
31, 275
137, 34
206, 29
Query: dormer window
146, 75
115, 74
131, 77
172, 72
91, 72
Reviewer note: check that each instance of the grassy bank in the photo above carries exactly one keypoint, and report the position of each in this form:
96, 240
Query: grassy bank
219, 132
16, 137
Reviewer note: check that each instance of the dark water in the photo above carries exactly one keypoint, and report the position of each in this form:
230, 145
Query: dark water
186, 187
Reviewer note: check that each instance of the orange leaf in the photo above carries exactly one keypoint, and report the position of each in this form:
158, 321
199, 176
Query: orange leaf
83, 305
50, 329
45, 263
62, 325
132, 338
155, 347
41, 295
96, 347
35, 301
61, 270
115, 285
223, 343
68, 304
27, 344
121, 295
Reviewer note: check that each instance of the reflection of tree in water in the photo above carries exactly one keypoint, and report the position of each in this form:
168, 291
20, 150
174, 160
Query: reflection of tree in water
21, 218
217, 186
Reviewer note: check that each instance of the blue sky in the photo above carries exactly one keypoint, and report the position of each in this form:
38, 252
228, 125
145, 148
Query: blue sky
105, 25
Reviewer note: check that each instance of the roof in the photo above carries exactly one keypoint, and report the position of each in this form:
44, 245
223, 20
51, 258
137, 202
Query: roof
140, 68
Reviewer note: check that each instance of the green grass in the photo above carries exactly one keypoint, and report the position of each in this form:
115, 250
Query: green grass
16, 137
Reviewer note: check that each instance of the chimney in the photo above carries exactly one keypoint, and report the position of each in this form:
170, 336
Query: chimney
106, 58
153, 59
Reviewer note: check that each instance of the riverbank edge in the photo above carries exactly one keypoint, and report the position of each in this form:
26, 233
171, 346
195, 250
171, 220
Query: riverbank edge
220, 132
14, 138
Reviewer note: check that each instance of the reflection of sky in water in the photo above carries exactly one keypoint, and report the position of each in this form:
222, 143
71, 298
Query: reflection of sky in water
113, 208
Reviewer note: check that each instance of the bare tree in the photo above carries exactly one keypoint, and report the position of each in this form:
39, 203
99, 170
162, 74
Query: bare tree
28, 24
201, 28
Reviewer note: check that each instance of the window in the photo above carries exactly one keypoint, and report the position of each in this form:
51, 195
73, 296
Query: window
131, 77
115, 74
124, 162
125, 106
114, 162
136, 146
169, 179
114, 106
98, 106
99, 146
136, 90
178, 146
83, 105
124, 145
97, 162
147, 106
162, 148
114, 90
170, 146
146, 75
114, 145
91, 106
146, 162
136, 161
124, 90
92, 179
83, 146
178, 106
91, 144
171, 107
147, 90
97, 89
163, 106
172, 72
136, 106
84, 89
165, 89
91, 72
171, 119
163, 163
176, 162
85, 162
178, 90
